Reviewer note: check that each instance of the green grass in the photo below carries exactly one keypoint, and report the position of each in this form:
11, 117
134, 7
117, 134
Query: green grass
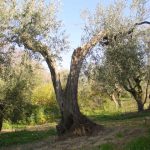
107, 146
119, 116
21, 137
141, 143
119, 135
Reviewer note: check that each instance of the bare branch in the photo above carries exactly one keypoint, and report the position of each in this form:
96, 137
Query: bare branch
137, 24
37, 46
107, 39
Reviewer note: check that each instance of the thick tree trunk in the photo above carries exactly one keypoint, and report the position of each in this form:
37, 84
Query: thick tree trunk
138, 97
73, 122
137, 92
140, 105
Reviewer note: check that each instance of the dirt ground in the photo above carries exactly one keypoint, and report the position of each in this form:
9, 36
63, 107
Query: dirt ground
118, 133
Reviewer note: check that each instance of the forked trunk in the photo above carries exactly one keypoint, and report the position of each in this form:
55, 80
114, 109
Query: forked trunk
137, 92
73, 121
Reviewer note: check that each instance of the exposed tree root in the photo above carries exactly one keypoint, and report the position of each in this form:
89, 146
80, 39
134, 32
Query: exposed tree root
78, 127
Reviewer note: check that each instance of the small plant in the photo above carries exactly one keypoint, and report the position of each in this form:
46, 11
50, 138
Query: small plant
107, 146
119, 135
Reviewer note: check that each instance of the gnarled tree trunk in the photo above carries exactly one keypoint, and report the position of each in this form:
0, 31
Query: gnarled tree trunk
72, 121
140, 104
137, 92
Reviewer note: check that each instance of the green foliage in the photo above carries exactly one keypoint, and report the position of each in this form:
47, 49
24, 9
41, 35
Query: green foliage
43, 95
33, 19
7, 124
89, 98
40, 116
18, 90
123, 55
44, 98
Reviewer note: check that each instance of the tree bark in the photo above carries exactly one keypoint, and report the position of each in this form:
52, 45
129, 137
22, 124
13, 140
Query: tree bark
137, 92
1, 116
116, 100
138, 97
72, 121
140, 106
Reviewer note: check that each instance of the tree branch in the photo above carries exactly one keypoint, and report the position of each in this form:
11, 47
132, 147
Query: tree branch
37, 46
106, 39
146, 93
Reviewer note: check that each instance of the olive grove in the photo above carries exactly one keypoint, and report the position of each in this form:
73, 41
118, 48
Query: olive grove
34, 26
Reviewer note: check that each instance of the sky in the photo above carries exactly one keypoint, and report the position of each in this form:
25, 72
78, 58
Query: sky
70, 14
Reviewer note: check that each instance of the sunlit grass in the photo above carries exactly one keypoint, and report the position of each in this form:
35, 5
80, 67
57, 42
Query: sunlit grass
141, 143
119, 116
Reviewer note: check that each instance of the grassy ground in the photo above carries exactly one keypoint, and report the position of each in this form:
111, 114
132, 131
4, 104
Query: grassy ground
22, 137
26, 134
123, 132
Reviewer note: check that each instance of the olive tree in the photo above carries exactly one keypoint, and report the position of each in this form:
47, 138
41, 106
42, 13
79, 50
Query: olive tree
104, 82
124, 47
5, 63
34, 25
16, 82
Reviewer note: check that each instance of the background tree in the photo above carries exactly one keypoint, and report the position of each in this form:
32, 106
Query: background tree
124, 47
5, 63
130, 69
105, 83
17, 82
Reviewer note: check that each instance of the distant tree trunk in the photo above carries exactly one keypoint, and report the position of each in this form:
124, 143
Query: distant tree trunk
1, 115
140, 106
116, 100
138, 97
137, 92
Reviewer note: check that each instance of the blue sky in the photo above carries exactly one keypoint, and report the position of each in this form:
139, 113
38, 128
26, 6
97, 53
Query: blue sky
70, 14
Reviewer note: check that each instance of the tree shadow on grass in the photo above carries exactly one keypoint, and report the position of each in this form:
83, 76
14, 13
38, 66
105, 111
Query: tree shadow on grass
120, 116
21, 137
